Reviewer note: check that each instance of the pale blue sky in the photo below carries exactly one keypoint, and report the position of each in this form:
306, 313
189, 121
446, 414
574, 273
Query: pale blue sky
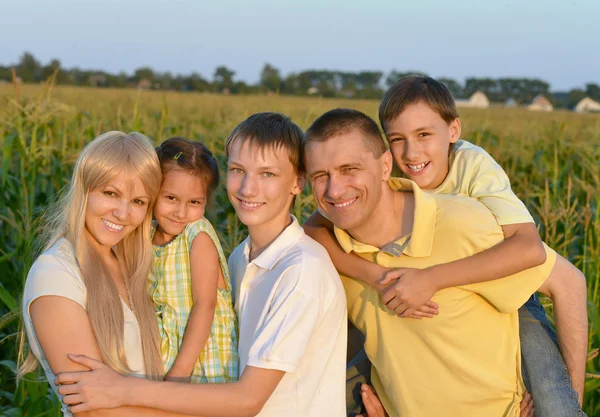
556, 40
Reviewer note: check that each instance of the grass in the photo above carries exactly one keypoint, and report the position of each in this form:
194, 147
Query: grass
551, 158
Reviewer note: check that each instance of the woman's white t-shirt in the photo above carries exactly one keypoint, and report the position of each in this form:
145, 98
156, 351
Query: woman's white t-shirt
56, 273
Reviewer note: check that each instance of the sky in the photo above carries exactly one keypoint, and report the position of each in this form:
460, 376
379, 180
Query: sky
555, 40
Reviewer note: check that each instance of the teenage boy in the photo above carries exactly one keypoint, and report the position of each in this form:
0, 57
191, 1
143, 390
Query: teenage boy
421, 123
290, 302
465, 362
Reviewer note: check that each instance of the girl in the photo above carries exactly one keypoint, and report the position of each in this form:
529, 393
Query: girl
190, 280
88, 289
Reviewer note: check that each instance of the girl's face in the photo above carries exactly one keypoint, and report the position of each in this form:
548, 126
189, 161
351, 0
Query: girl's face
115, 209
181, 200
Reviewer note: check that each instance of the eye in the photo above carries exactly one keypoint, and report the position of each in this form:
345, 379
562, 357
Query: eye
110, 193
349, 169
268, 174
139, 202
424, 134
196, 202
236, 170
395, 139
170, 198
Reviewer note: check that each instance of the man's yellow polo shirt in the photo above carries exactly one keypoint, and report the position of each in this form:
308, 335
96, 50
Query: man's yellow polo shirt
466, 362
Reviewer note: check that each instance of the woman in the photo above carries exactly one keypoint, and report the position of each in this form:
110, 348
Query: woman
88, 290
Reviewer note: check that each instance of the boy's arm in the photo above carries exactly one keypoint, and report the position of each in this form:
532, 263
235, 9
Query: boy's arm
522, 246
205, 271
103, 388
353, 266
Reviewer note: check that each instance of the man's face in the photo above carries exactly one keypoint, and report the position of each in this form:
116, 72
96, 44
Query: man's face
261, 184
346, 179
420, 141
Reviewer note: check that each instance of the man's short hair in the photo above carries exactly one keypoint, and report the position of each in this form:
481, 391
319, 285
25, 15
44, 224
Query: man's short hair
341, 121
413, 89
270, 130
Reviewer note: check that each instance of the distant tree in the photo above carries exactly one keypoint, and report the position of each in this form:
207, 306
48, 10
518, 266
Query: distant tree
454, 86
143, 73
395, 75
29, 68
575, 96
223, 78
270, 78
49, 69
593, 91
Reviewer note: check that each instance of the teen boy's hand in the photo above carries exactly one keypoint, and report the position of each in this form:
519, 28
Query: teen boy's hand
527, 409
410, 296
372, 403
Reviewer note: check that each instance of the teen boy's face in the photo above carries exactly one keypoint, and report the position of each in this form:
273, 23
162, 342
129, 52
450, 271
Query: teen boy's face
420, 141
346, 178
261, 183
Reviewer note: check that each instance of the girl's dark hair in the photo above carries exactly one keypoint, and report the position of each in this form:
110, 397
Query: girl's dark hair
190, 156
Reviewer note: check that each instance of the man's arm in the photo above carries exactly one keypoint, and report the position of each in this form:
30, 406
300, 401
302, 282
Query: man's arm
522, 246
566, 287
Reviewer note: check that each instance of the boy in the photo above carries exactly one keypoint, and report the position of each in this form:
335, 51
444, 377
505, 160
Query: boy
290, 302
419, 118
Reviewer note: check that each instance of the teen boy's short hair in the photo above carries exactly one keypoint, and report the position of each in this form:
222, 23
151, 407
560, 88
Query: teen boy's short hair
341, 121
270, 130
413, 89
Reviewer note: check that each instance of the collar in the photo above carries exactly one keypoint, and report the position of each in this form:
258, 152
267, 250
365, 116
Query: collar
275, 251
418, 243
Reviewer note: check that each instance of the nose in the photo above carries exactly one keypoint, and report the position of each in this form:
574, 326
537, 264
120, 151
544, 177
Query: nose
180, 211
335, 188
121, 211
412, 151
248, 187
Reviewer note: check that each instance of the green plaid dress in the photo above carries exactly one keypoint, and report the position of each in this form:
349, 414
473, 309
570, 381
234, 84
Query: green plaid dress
171, 291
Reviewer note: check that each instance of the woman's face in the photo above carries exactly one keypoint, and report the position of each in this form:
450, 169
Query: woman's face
115, 209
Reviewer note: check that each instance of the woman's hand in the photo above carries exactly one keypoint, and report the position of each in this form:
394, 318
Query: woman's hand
101, 387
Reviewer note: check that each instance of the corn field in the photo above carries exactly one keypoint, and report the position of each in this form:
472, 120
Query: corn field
553, 160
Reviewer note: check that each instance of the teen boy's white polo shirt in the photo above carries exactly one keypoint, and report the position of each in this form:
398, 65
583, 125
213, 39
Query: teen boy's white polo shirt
291, 307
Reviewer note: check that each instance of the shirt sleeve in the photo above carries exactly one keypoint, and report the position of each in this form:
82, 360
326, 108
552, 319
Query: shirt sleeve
490, 185
52, 275
282, 339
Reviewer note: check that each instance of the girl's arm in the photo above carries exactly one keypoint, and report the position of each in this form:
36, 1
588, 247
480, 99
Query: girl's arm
104, 388
205, 273
62, 326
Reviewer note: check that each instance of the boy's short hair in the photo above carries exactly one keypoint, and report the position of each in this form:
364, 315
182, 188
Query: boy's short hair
340, 121
270, 130
413, 89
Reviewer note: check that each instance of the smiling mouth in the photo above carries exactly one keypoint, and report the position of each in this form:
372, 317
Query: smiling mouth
249, 204
344, 204
113, 226
417, 168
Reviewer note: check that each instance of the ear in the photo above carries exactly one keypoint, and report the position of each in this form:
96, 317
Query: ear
387, 162
300, 183
455, 130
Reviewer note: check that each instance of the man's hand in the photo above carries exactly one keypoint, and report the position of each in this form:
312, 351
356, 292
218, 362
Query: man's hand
527, 409
101, 387
410, 295
371, 401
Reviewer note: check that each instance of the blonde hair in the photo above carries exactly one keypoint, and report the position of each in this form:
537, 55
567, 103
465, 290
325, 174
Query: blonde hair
101, 160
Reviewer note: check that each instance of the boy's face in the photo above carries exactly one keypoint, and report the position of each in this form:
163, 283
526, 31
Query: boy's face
420, 140
261, 183
346, 178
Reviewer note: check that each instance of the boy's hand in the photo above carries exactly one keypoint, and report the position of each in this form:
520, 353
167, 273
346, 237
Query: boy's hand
527, 409
372, 403
410, 296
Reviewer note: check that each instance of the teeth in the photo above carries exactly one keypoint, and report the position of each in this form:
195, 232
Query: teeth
113, 226
417, 168
345, 204
250, 205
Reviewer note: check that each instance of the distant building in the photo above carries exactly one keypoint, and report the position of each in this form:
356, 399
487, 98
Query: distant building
511, 102
144, 84
587, 105
540, 103
312, 91
478, 100
97, 80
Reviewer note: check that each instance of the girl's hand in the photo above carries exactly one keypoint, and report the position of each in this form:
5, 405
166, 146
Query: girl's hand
410, 295
101, 387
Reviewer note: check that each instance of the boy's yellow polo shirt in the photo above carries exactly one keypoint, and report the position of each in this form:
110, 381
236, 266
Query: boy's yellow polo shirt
475, 173
466, 361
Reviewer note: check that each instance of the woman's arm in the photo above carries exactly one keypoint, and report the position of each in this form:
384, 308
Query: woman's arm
205, 273
62, 326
